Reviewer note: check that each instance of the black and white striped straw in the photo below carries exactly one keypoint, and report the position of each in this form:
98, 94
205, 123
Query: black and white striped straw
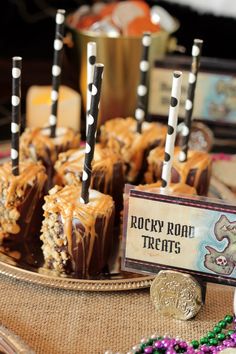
56, 69
16, 113
172, 125
192, 81
142, 89
91, 60
92, 131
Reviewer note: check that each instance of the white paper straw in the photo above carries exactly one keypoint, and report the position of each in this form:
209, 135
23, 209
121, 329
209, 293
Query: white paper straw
172, 125
91, 60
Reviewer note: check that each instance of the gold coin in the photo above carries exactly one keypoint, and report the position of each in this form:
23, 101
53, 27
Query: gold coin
176, 294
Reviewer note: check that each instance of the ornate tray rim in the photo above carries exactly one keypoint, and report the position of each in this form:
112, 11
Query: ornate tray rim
74, 284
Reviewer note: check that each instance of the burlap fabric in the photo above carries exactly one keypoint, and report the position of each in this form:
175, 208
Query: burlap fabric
54, 321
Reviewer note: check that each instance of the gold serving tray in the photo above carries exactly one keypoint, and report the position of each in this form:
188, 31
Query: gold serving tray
115, 282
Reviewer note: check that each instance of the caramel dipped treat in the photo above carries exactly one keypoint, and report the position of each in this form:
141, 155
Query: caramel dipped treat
195, 171
107, 172
77, 237
20, 198
78, 224
45, 144
120, 135
21, 187
38, 145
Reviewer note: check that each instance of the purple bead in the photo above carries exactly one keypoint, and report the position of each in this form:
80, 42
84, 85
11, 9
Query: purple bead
204, 348
220, 347
158, 344
233, 336
183, 345
170, 351
148, 350
166, 342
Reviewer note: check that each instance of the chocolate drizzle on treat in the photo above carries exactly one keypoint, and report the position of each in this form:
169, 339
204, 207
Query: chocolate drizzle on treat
82, 230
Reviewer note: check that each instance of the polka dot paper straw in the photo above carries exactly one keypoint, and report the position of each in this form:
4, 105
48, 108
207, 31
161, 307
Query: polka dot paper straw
56, 69
16, 113
142, 89
192, 81
172, 125
91, 60
92, 130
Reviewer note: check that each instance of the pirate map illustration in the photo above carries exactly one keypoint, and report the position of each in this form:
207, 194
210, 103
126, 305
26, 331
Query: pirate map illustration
224, 261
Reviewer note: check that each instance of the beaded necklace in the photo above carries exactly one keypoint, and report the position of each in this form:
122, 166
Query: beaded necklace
213, 342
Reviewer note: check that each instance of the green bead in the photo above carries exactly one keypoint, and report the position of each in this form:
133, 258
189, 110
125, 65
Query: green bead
195, 344
213, 341
222, 324
211, 335
228, 318
230, 332
150, 341
221, 336
204, 340
217, 329
143, 346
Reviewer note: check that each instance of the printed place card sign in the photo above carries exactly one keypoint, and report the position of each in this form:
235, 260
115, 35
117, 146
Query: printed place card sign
170, 232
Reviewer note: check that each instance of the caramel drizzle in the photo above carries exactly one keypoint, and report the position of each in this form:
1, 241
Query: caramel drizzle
198, 160
180, 188
121, 136
65, 202
72, 161
30, 173
40, 141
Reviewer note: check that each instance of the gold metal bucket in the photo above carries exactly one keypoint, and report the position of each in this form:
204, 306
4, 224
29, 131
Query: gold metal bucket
120, 56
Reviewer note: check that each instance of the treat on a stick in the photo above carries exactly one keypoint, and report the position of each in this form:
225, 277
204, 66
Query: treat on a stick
21, 184
45, 143
107, 172
191, 167
195, 172
77, 228
168, 153
91, 60
189, 104
76, 236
